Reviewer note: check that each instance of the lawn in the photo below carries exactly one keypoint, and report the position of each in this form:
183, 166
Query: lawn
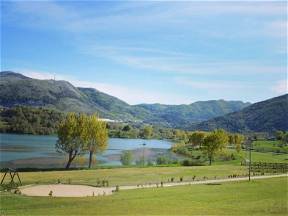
270, 146
258, 197
268, 157
131, 176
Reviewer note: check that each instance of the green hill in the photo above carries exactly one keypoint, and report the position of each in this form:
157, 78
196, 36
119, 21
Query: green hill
183, 115
17, 89
265, 116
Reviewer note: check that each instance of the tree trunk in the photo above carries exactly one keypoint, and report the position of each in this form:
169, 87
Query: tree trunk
71, 158
68, 163
90, 159
210, 161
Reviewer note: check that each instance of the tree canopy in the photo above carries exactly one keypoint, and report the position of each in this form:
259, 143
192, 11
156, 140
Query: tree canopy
81, 133
214, 142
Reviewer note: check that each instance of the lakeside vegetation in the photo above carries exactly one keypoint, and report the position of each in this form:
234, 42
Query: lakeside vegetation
258, 197
197, 146
28, 120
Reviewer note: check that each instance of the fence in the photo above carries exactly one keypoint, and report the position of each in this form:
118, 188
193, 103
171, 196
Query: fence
263, 167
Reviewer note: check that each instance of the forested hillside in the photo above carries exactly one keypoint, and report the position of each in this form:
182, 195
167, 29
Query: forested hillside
29, 120
17, 89
266, 116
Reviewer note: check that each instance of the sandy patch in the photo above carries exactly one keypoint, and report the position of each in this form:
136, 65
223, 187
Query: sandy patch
62, 190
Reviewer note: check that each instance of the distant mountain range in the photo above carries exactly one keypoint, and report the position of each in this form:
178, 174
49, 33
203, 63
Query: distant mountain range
268, 115
17, 89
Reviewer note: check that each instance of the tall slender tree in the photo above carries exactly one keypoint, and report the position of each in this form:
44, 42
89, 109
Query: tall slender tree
97, 136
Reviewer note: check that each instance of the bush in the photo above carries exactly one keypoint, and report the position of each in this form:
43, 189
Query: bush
192, 163
126, 158
150, 163
162, 160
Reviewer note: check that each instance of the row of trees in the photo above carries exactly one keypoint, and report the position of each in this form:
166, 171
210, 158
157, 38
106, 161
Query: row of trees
282, 136
29, 120
210, 143
81, 133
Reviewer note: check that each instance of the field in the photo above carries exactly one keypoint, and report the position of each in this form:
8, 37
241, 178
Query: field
259, 197
270, 146
130, 176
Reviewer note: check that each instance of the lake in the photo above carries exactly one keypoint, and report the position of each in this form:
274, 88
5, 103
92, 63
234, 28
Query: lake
39, 151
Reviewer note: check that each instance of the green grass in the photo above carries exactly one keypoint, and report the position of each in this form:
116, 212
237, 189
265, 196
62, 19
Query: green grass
258, 197
270, 146
130, 176
266, 143
268, 157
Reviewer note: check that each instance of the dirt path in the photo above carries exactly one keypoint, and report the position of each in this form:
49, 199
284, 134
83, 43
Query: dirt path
214, 181
62, 190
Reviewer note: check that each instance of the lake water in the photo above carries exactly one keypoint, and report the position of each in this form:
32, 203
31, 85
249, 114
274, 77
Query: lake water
39, 151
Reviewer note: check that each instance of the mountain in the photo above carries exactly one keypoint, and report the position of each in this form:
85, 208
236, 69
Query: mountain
196, 112
265, 116
17, 89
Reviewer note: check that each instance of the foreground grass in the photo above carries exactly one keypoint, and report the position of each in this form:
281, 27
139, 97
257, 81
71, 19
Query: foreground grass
258, 197
130, 176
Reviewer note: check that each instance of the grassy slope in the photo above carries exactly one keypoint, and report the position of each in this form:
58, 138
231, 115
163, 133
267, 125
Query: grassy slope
130, 176
261, 197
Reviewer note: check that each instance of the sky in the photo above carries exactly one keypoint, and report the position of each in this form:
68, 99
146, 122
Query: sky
169, 52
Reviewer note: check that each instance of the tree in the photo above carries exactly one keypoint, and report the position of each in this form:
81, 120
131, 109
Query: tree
237, 140
279, 135
147, 132
197, 138
126, 128
126, 158
97, 136
285, 138
162, 160
213, 143
72, 136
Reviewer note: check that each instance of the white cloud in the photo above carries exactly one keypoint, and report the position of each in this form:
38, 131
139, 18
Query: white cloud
173, 62
131, 96
280, 87
217, 85
143, 15
179, 65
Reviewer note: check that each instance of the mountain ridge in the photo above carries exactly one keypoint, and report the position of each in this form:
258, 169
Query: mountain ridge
17, 89
264, 116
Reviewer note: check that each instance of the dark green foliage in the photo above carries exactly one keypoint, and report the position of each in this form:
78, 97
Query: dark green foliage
162, 160
126, 158
190, 162
265, 116
30, 120
282, 136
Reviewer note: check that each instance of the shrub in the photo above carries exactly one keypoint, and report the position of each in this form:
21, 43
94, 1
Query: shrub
162, 160
126, 158
192, 163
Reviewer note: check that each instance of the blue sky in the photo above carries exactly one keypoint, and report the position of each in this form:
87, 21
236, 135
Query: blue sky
148, 51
